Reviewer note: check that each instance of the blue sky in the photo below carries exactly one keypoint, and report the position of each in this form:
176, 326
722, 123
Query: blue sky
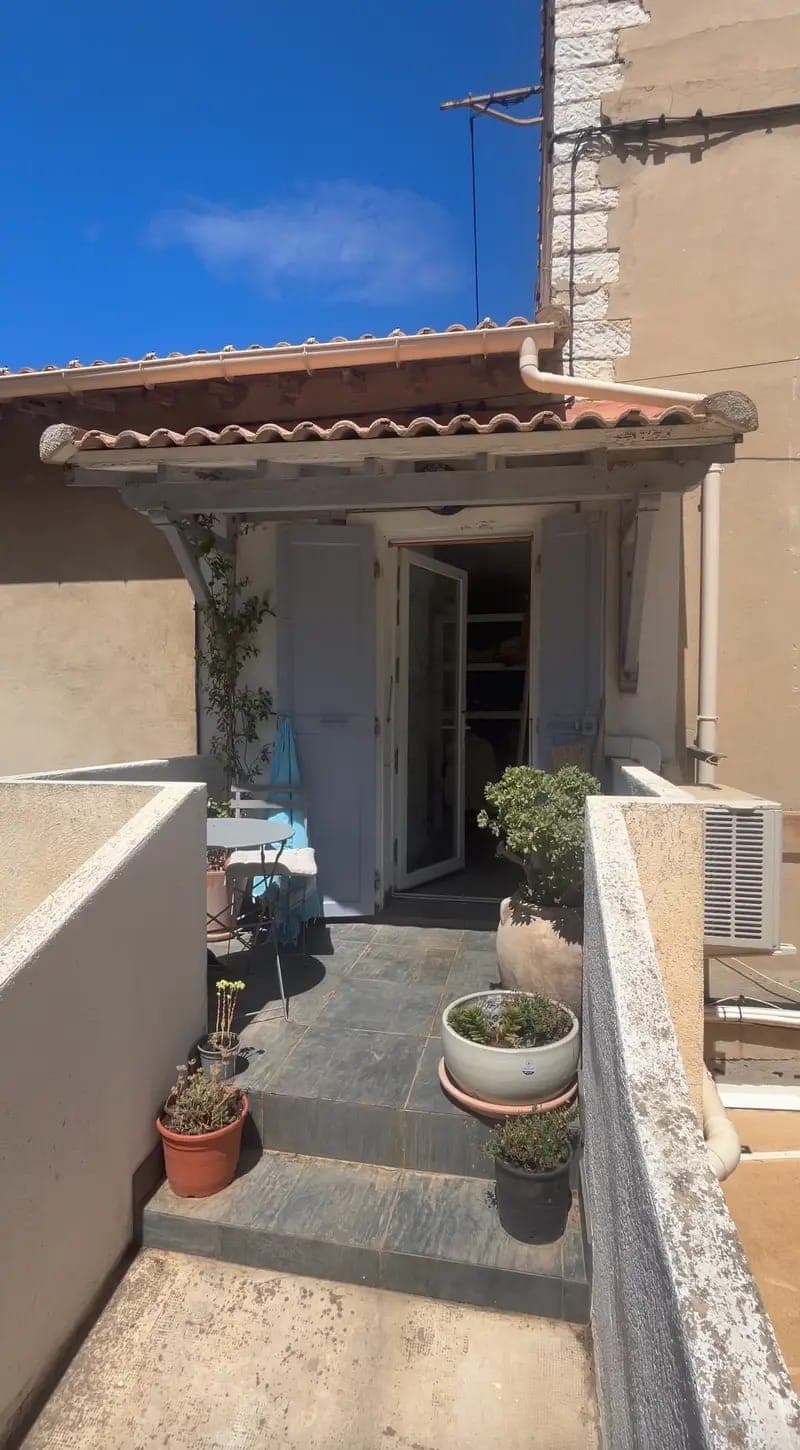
187, 175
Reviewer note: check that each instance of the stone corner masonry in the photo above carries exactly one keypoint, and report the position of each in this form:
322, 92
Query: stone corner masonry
587, 67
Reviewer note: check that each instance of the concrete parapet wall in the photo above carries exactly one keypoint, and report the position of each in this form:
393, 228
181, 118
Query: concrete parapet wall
102, 991
685, 1354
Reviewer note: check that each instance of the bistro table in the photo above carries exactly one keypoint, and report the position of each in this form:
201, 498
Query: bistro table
231, 833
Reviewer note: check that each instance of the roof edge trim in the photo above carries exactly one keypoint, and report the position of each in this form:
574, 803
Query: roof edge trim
308, 357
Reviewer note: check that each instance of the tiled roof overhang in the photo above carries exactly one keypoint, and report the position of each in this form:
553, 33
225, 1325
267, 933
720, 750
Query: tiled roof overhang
600, 424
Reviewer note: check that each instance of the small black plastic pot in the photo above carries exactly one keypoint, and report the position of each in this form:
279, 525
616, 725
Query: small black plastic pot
533, 1207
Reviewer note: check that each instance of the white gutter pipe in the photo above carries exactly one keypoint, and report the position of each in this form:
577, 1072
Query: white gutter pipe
708, 645
722, 1140
307, 357
763, 1016
564, 386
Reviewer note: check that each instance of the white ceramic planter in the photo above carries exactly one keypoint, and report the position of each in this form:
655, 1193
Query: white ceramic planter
511, 1075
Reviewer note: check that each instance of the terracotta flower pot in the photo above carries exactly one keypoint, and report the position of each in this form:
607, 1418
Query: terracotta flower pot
199, 1164
218, 906
540, 949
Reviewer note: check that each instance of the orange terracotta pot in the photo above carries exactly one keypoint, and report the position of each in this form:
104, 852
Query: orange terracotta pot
219, 924
202, 1163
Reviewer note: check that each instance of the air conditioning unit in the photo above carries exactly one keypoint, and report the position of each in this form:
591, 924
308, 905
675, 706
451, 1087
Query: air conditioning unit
743, 839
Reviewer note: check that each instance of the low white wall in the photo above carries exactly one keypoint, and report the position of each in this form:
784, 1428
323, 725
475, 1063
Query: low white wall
203, 768
102, 991
628, 778
47, 834
685, 1355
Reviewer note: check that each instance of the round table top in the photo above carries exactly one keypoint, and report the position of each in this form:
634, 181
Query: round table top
233, 833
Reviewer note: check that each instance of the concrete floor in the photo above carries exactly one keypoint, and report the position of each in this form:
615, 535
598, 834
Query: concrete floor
196, 1355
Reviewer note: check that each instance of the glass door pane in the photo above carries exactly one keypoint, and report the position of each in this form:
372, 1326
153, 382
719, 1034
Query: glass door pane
433, 612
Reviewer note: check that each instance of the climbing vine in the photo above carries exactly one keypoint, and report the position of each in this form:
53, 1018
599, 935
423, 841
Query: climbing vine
228, 630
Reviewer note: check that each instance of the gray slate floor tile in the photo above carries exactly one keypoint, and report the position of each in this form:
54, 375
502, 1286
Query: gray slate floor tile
418, 938
471, 972
364, 1002
426, 1093
345, 1203
456, 1219
265, 1045
356, 1067
427, 969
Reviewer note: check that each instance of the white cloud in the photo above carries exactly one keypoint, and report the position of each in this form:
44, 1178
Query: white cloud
363, 243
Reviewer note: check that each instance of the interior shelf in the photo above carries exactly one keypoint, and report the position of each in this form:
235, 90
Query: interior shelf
498, 667
494, 714
495, 618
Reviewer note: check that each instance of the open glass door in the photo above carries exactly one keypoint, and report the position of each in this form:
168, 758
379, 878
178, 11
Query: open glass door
432, 657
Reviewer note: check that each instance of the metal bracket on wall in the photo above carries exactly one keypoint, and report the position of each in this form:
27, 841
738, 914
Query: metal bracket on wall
634, 553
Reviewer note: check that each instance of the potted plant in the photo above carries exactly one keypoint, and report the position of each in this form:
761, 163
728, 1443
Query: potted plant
200, 1126
537, 817
219, 1049
512, 1048
532, 1158
218, 903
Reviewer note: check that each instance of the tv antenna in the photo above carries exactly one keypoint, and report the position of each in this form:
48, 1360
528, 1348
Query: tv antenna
493, 104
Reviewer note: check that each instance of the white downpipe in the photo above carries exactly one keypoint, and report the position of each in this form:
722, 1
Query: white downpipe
722, 1140
763, 1016
306, 357
708, 649
564, 386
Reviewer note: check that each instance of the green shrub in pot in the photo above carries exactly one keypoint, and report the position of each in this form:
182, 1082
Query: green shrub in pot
538, 819
532, 1157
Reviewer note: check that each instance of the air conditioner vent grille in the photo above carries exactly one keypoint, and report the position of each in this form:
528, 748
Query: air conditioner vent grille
735, 851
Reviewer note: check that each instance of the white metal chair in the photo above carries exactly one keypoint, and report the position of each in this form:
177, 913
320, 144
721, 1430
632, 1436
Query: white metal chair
295, 864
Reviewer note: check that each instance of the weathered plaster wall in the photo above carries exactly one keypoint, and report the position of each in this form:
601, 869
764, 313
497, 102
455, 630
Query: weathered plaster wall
667, 845
96, 624
102, 991
685, 1356
696, 240
48, 830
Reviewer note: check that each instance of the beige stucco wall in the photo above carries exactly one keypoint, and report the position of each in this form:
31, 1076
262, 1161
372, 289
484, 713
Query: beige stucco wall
667, 846
685, 272
708, 273
96, 623
48, 830
102, 991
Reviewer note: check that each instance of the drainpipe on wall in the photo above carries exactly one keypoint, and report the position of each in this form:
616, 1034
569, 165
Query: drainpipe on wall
708, 649
564, 385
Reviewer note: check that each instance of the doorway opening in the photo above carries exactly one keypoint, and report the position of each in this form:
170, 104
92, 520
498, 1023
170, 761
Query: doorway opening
466, 694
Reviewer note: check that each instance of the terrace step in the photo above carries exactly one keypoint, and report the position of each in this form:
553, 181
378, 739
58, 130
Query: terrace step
391, 1110
432, 1234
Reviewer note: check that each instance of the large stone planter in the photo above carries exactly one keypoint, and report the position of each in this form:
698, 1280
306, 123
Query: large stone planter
540, 949
508, 1075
